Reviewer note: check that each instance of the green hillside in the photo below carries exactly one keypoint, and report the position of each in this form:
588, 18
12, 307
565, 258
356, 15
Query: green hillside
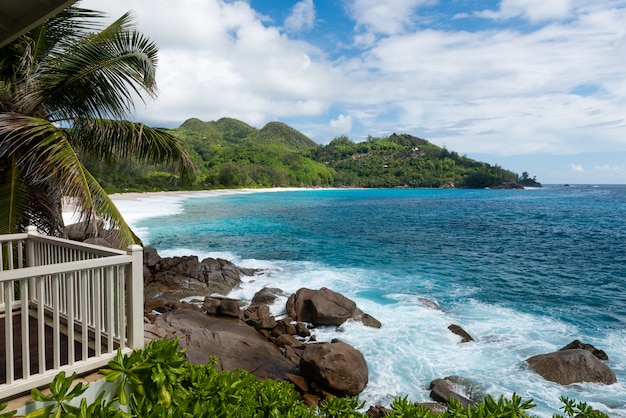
229, 153
278, 133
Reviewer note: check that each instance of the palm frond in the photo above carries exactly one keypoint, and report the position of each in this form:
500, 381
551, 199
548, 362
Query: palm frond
100, 75
108, 139
25, 199
121, 235
52, 81
12, 197
67, 25
46, 157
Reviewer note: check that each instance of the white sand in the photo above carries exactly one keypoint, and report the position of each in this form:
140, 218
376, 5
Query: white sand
197, 193
136, 206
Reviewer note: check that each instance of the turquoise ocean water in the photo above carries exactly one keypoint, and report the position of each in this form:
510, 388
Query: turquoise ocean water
523, 271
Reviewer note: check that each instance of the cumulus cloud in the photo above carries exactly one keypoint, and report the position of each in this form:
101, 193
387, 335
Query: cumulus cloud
302, 17
220, 59
342, 125
388, 17
493, 89
532, 10
577, 168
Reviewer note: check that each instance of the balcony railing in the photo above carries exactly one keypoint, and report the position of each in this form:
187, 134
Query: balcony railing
66, 306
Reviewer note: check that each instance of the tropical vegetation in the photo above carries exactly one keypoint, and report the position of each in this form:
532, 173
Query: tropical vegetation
66, 92
230, 154
158, 382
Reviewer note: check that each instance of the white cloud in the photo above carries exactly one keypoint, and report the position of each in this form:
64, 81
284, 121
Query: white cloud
388, 17
577, 168
532, 10
302, 17
554, 89
342, 125
610, 169
218, 59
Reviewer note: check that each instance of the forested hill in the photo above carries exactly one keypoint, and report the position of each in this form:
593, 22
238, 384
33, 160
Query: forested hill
230, 153
227, 131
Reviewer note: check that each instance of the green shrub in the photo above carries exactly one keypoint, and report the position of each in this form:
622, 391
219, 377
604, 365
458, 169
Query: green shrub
158, 382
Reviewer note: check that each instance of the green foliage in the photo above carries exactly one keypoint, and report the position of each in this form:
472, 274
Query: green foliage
341, 407
6, 414
525, 180
278, 133
579, 410
158, 382
489, 407
232, 154
62, 393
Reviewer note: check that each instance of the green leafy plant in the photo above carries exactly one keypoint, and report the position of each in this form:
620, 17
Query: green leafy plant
579, 410
490, 407
57, 404
152, 372
157, 382
8, 414
336, 407
403, 408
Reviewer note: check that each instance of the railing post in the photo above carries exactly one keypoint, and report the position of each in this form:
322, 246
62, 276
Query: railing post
30, 246
134, 295
30, 260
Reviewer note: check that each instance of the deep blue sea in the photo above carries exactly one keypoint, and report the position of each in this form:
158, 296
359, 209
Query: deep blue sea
523, 271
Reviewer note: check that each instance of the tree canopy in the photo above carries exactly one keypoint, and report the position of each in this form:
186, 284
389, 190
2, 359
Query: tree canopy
230, 154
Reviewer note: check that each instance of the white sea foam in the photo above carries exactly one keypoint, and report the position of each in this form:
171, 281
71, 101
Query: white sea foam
414, 346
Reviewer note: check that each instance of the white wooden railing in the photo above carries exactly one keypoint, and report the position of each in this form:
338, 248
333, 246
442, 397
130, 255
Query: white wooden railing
54, 290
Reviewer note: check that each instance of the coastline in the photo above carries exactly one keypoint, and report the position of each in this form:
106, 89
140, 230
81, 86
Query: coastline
126, 202
499, 330
200, 193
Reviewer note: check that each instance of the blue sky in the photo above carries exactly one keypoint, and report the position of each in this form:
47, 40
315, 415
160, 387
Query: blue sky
531, 85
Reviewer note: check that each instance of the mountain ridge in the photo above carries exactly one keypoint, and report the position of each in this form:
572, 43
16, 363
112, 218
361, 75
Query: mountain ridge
230, 153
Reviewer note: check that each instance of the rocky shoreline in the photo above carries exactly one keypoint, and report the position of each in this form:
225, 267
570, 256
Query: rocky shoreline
181, 302
183, 299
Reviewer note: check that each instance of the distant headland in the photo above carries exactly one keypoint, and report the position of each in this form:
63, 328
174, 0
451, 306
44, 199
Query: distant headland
229, 153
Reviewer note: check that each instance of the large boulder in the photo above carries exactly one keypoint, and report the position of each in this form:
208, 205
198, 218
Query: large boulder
571, 366
187, 276
325, 307
234, 344
595, 351
338, 367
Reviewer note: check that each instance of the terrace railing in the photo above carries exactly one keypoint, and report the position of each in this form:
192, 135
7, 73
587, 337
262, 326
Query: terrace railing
64, 305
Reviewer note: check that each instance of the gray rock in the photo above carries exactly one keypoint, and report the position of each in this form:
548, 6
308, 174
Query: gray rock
338, 367
595, 351
229, 307
234, 344
442, 390
324, 307
266, 296
571, 366
189, 277
465, 337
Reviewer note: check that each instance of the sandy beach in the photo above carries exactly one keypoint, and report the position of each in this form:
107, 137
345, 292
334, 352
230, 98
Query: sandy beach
137, 205
197, 193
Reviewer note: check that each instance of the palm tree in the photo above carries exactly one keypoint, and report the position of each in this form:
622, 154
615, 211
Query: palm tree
66, 92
